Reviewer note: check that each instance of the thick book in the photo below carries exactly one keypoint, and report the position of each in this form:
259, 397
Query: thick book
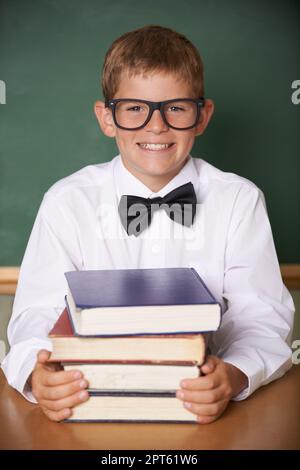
137, 378
126, 302
132, 408
155, 349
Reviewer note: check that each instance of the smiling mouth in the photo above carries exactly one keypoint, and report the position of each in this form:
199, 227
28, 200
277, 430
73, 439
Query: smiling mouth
148, 146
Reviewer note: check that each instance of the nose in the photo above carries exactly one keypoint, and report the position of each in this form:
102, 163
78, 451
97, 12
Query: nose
156, 123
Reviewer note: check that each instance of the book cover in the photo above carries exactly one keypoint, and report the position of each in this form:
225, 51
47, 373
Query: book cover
140, 301
137, 287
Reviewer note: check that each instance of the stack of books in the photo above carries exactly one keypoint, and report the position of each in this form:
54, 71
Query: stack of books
134, 334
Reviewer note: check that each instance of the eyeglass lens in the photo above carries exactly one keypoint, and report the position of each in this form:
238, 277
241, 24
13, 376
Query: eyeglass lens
131, 114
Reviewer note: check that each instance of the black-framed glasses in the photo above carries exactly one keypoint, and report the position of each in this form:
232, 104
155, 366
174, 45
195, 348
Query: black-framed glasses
132, 114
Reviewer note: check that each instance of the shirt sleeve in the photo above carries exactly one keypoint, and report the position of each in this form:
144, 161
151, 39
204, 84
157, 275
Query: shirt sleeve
257, 323
53, 248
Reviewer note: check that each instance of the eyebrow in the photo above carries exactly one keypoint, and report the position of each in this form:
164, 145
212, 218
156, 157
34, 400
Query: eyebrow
108, 101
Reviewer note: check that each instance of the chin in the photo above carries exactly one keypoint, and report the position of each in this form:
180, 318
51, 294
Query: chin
157, 171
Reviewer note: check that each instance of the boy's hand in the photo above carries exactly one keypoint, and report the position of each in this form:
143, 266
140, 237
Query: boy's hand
56, 390
208, 396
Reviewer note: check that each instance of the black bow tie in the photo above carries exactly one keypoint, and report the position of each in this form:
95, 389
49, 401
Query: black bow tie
179, 204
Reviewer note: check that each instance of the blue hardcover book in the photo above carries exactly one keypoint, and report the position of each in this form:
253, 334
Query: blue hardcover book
123, 302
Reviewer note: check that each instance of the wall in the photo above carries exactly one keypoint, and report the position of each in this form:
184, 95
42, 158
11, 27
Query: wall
51, 54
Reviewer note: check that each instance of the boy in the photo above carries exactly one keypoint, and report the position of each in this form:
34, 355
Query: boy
155, 107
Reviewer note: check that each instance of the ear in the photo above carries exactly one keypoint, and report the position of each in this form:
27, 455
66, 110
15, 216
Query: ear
206, 114
105, 119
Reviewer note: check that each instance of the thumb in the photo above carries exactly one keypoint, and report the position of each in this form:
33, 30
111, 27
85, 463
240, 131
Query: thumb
209, 365
43, 356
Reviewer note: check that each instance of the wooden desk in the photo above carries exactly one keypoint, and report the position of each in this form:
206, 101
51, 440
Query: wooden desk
269, 419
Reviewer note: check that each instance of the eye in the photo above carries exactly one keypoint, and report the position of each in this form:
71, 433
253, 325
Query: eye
135, 108
176, 109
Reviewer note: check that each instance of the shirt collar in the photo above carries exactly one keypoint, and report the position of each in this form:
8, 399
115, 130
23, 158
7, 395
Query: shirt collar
127, 183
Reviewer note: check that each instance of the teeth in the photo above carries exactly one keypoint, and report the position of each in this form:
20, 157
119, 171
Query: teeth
155, 146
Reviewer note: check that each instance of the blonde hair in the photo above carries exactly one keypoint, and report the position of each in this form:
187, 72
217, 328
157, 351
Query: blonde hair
148, 50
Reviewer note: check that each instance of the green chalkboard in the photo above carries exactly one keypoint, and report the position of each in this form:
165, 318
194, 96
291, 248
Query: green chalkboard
51, 54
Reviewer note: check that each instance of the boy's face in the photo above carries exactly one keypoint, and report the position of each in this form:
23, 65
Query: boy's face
155, 168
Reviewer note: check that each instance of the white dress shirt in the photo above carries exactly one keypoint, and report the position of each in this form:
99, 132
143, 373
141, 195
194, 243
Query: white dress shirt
230, 244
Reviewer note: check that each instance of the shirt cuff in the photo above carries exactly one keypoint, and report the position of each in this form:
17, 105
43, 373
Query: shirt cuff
250, 368
18, 371
24, 387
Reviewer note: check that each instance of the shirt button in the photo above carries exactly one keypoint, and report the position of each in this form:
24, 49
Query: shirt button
155, 249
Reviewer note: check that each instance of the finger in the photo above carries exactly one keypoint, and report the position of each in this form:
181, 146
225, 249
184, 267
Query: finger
47, 367
67, 402
206, 382
211, 410
205, 397
45, 392
43, 361
59, 378
207, 419
62, 391
43, 356
209, 365
58, 415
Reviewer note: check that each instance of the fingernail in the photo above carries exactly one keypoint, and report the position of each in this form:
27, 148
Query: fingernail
183, 383
83, 395
77, 375
180, 395
82, 384
67, 413
187, 405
